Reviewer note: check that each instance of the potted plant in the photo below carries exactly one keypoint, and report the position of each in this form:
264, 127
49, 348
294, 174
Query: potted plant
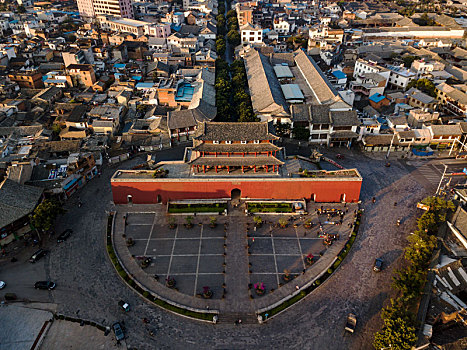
283, 222
309, 259
258, 221
287, 277
189, 222
207, 293
145, 262
172, 223
212, 221
308, 224
170, 282
259, 288
130, 242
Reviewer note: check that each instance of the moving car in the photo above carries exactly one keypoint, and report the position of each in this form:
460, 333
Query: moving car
2, 284
38, 255
378, 265
124, 305
64, 235
118, 330
45, 285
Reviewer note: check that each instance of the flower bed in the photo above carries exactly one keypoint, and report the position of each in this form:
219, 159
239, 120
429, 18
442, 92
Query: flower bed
269, 207
197, 208
340, 257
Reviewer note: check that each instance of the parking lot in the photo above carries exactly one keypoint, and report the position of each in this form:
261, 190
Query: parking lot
192, 256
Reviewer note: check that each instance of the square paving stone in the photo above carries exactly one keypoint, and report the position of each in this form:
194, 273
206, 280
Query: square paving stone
159, 265
137, 231
162, 231
284, 232
218, 231
185, 284
186, 246
183, 264
140, 218
212, 246
260, 245
214, 282
286, 246
183, 232
293, 264
311, 246
211, 264
160, 247
138, 249
269, 280
262, 263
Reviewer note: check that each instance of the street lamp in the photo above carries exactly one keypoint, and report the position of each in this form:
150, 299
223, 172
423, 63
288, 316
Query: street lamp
440, 181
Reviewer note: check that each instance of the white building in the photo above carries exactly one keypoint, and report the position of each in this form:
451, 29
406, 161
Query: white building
400, 77
281, 26
251, 34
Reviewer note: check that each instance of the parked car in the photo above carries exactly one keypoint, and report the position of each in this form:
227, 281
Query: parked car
351, 323
378, 265
10, 296
2, 284
118, 330
124, 305
38, 255
45, 285
64, 235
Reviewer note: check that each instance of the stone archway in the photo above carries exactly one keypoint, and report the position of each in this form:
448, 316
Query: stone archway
235, 194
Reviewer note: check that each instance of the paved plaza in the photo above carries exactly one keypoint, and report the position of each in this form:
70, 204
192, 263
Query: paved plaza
194, 257
233, 256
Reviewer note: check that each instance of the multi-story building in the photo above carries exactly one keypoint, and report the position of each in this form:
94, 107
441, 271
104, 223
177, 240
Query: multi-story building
400, 77
244, 14
74, 56
81, 74
422, 67
91, 8
29, 80
451, 99
251, 34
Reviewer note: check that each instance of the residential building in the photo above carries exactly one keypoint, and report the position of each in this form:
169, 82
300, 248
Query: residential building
91, 8
251, 34
451, 100
28, 79
81, 74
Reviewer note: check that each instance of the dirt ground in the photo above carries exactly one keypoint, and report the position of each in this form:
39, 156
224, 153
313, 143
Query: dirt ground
64, 335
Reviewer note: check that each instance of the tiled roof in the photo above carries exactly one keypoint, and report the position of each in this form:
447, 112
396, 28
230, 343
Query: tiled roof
17, 201
265, 90
236, 161
235, 132
454, 129
320, 114
300, 112
344, 118
322, 88
237, 147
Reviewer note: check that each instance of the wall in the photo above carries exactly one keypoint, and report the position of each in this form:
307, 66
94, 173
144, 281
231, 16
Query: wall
147, 191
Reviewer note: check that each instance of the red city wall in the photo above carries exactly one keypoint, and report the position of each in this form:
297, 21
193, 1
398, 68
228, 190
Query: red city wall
148, 192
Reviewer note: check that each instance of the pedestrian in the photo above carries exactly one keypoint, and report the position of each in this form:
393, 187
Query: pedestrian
395, 204
236, 322
374, 199
239, 321
297, 287
304, 270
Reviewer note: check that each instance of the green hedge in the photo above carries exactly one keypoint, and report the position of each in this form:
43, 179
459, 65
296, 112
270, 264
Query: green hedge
146, 294
196, 209
340, 257
265, 207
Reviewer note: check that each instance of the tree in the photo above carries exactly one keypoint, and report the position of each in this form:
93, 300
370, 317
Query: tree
300, 133
231, 13
408, 60
409, 282
233, 36
397, 334
220, 47
56, 129
424, 85
283, 129
44, 215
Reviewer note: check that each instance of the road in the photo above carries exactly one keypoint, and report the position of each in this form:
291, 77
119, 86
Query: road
88, 286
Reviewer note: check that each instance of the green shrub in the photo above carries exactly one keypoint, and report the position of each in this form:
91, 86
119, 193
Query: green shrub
330, 270
146, 294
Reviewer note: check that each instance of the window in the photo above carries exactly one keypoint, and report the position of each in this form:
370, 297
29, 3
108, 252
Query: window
256, 142
243, 142
215, 142
228, 142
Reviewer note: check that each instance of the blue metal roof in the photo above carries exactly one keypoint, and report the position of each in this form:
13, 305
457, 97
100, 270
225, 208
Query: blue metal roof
377, 98
119, 65
144, 85
339, 74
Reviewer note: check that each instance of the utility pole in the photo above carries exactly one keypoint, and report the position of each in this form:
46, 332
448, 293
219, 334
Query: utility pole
390, 146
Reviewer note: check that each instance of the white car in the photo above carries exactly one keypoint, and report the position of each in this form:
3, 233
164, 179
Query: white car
2, 284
